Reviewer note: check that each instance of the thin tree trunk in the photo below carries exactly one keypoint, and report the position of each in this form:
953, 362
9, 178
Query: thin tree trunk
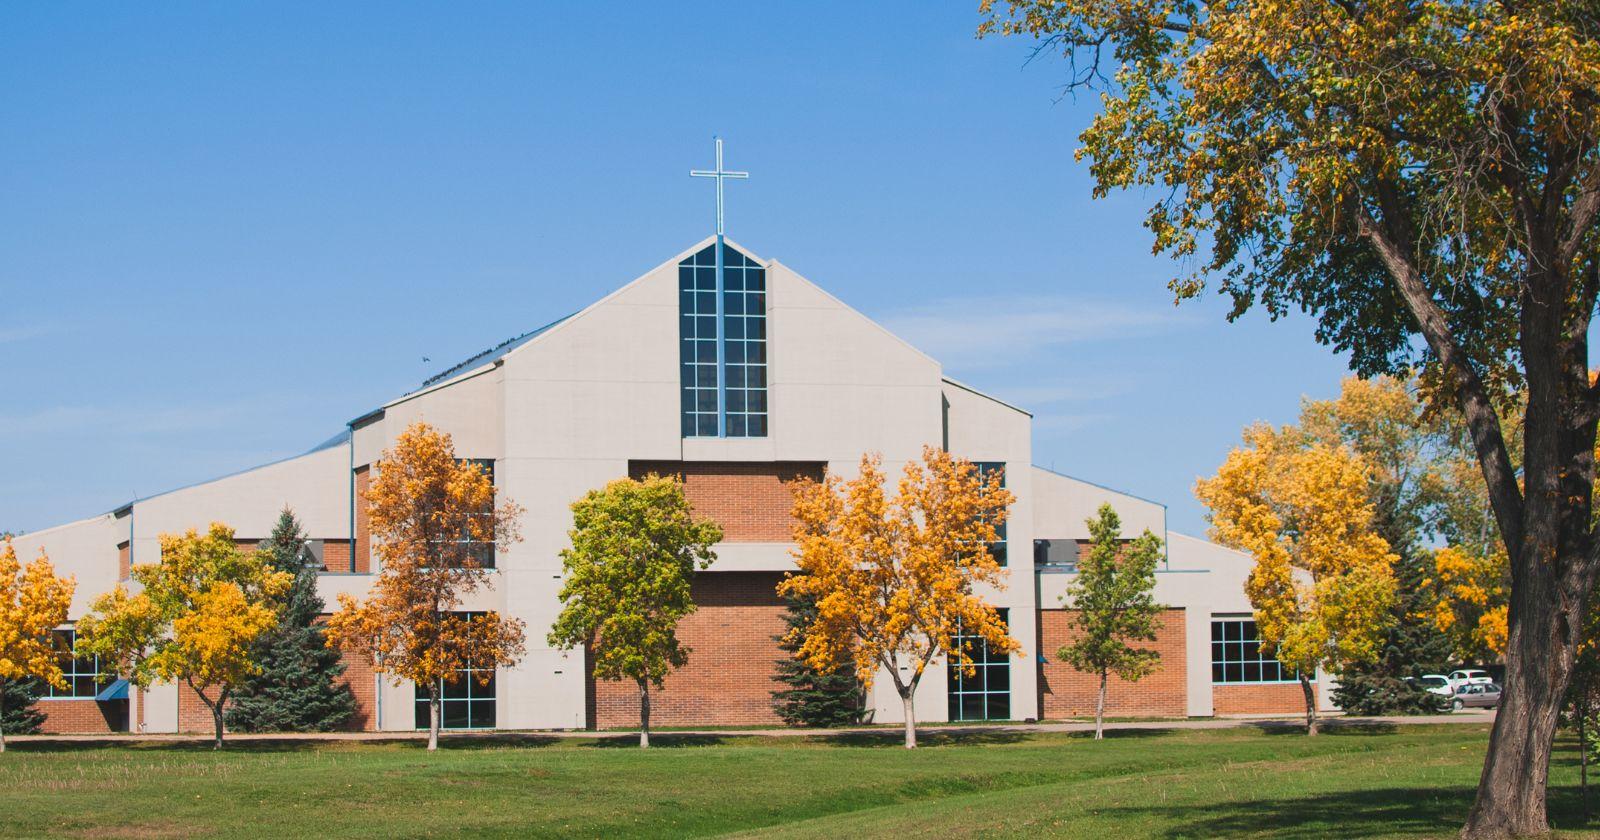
1100, 709
433, 716
644, 714
1311, 704
908, 698
2, 716
1583, 746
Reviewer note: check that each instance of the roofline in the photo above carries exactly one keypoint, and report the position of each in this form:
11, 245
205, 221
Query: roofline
235, 474
991, 397
1162, 505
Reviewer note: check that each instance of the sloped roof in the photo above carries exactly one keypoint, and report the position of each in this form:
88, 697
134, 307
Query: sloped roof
493, 354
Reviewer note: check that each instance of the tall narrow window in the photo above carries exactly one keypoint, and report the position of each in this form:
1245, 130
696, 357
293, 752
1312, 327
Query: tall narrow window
986, 693
464, 703
722, 372
998, 547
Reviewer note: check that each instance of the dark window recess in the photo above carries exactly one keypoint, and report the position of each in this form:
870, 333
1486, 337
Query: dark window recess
1237, 655
986, 693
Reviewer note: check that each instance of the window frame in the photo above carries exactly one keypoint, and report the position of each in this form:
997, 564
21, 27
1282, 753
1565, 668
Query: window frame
71, 670
1249, 635
986, 663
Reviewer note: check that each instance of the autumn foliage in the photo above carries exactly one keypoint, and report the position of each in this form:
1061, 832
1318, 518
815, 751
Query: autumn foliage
1323, 582
195, 619
33, 601
433, 518
895, 580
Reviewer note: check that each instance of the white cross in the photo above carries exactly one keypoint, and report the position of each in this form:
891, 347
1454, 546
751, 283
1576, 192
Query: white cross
720, 174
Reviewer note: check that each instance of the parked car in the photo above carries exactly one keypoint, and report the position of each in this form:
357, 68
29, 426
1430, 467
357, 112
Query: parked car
1437, 684
1469, 676
1476, 696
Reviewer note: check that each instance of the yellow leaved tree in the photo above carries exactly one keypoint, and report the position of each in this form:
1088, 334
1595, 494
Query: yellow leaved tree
195, 619
1474, 592
434, 519
893, 579
32, 602
1323, 583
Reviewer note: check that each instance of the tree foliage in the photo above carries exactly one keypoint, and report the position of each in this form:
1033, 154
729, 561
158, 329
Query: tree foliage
33, 601
196, 617
635, 548
1422, 177
432, 517
1113, 596
298, 687
894, 579
813, 697
1323, 584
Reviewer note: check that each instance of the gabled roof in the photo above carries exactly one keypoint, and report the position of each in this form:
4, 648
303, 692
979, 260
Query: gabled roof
493, 354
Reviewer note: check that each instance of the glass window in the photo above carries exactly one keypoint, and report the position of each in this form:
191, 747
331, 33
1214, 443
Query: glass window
740, 351
985, 694
482, 552
464, 702
82, 673
1237, 656
998, 547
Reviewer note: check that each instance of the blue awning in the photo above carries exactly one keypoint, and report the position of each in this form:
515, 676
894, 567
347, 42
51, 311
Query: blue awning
117, 690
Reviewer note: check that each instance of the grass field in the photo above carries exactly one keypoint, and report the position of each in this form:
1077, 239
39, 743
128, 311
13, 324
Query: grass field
1386, 781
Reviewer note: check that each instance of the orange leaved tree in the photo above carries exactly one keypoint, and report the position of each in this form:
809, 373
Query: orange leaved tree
893, 579
196, 617
433, 519
32, 602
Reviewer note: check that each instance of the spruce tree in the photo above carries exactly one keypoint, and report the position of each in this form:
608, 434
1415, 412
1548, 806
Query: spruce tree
298, 689
813, 698
19, 713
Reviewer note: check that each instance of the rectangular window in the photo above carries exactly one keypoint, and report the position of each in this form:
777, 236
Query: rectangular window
464, 702
1237, 656
998, 547
82, 673
481, 551
722, 345
986, 693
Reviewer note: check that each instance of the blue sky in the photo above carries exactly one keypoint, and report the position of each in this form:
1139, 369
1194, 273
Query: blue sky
226, 229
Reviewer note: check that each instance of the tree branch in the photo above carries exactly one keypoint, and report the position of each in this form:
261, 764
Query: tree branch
1482, 421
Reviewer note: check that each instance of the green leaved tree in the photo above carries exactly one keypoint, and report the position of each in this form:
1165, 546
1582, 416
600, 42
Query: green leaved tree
298, 687
813, 697
635, 548
1114, 603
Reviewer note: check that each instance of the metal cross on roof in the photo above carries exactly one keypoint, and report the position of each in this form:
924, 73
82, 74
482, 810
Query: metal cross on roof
720, 174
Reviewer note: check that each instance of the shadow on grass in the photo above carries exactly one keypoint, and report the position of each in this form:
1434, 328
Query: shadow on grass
1335, 726
245, 746
1420, 811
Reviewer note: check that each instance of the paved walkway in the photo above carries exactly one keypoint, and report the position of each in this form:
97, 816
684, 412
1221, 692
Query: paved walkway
943, 730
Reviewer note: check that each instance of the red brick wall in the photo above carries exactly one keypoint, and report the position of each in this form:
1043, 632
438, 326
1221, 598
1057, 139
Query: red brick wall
193, 714
124, 560
751, 501
336, 555
728, 680
363, 549
1065, 692
1258, 699
76, 717
358, 675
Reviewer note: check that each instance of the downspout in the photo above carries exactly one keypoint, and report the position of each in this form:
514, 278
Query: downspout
351, 478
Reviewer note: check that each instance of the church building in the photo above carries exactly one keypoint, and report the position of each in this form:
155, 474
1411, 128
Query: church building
741, 376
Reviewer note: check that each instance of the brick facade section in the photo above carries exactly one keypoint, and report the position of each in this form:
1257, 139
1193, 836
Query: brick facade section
1066, 692
732, 666
193, 714
751, 501
363, 537
82, 717
1259, 699
124, 560
336, 555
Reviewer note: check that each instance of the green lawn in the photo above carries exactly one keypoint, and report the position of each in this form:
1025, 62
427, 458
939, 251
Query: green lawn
1410, 781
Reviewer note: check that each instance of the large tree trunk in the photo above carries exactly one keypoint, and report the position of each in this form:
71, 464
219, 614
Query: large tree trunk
1310, 691
1539, 657
1100, 708
908, 699
644, 713
433, 716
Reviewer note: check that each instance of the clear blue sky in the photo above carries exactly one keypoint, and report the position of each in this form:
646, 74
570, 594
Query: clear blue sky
226, 229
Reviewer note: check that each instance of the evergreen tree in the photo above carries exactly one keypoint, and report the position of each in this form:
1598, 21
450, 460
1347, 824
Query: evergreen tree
813, 698
298, 689
18, 713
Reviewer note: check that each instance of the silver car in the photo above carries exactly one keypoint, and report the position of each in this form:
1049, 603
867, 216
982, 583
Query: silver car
1476, 696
